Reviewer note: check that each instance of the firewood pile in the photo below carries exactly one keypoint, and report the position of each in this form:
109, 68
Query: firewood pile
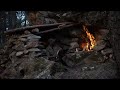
57, 53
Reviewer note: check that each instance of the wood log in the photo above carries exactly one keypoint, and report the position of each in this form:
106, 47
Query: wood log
55, 29
32, 27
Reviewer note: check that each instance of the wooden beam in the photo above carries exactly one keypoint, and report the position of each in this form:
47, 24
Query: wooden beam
55, 29
32, 27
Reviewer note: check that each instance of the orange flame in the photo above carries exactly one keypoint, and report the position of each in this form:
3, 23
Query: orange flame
89, 45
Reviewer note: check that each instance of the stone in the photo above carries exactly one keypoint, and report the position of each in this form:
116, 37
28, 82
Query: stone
30, 36
25, 51
78, 56
93, 58
38, 54
41, 46
92, 68
23, 39
100, 45
68, 62
36, 30
19, 53
49, 20
74, 58
49, 51
34, 50
111, 55
97, 48
105, 57
25, 36
74, 45
107, 51
32, 44
12, 55
88, 68
84, 68
19, 47
64, 14
27, 32
103, 32
33, 37
56, 49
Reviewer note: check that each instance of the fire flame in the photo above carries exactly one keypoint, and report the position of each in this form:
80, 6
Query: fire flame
91, 43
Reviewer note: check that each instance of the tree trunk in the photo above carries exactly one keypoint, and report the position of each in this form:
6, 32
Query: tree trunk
10, 20
2, 27
14, 19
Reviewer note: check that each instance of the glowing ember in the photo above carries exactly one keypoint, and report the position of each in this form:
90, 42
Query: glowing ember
91, 43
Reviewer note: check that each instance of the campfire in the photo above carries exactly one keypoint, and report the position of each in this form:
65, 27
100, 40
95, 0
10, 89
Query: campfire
90, 40
54, 50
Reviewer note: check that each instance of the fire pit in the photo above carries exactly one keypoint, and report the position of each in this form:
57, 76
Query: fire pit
76, 52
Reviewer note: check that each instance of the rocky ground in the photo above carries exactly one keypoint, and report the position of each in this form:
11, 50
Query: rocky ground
27, 56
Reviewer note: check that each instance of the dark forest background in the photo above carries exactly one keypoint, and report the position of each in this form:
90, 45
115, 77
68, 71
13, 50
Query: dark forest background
10, 20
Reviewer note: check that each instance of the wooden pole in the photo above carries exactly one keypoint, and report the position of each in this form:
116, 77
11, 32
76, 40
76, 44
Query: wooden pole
32, 27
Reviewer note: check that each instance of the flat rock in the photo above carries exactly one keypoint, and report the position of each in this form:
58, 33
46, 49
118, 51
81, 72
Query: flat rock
27, 32
19, 47
100, 45
23, 39
25, 51
72, 59
34, 50
33, 37
25, 36
12, 54
94, 58
19, 53
32, 44
35, 30
38, 54
106, 51
49, 20
104, 32
74, 45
